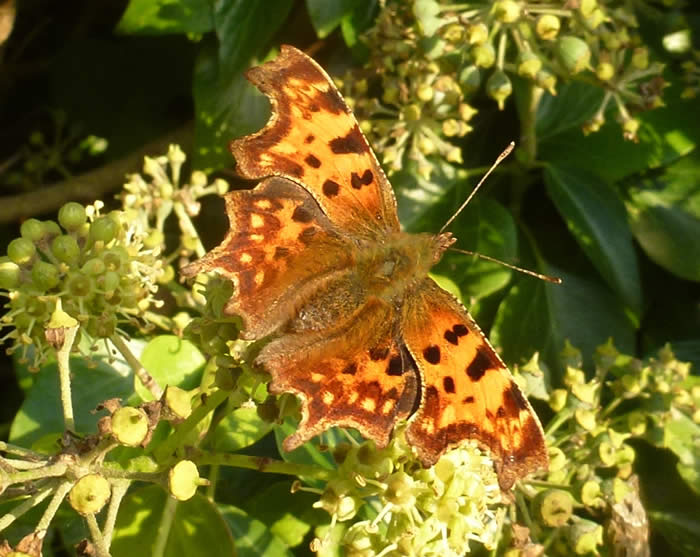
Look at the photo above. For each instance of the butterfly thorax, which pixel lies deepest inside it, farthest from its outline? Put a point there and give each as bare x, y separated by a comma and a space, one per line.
393, 266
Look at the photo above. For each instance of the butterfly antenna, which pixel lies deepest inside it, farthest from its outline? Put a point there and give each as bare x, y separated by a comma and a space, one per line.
498, 161
555, 280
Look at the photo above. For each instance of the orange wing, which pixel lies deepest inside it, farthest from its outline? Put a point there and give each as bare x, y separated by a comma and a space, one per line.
278, 249
313, 139
354, 374
468, 393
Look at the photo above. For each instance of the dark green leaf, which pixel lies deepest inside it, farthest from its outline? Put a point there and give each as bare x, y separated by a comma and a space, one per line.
308, 453
227, 106
252, 537
197, 529
681, 529
596, 218
574, 103
538, 317
326, 15
157, 17
665, 218
680, 436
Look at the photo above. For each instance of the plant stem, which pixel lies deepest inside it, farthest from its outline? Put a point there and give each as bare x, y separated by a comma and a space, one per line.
23, 507
528, 121
97, 537
261, 464
146, 379
166, 522
59, 494
119, 488
63, 362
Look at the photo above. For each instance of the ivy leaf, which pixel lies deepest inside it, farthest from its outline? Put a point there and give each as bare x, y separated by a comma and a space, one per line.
158, 17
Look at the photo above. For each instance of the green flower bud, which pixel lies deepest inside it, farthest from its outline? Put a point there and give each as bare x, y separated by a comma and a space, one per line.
104, 229
72, 216
506, 11
587, 6
606, 453
115, 258
178, 402
529, 64
499, 87
640, 58
585, 536
554, 506
154, 239
484, 55
477, 34
630, 128
45, 275
453, 33
605, 71
10, 274
401, 490
558, 398
557, 459
596, 18
469, 79
65, 248
103, 326
110, 282
590, 494
466, 111
574, 54
586, 392
547, 27
93, 267
547, 80
585, 418
130, 426
32, 229
594, 124
183, 480
637, 423
412, 113
21, 251
89, 494
424, 93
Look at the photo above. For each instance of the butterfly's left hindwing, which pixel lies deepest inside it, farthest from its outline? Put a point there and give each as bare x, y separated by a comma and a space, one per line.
467, 391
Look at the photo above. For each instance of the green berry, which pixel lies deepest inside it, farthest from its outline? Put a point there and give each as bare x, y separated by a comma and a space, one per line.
547, 27
94, 266
32, 230
470, 79
21, 251
103, 229
528, 64
65, 248
183, 480
484, 55
574, 54
477, 34
506, 11
45, 275
110, 281
72, 216
10, 274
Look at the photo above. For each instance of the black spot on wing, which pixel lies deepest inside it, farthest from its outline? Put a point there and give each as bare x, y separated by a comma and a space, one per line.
350, 369
395, 367
448, 384
302, 215
330, 188
312, 161
432, 354
353, 142
479, 365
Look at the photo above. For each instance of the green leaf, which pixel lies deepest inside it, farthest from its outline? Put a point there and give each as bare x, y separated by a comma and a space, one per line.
41, 415
226, 105
665, 218
574, 103
596, 218
241, 428
171, 361
157, 17
538, 317
680, 436
665, 134
290, 516
681, 530
309, 452
197, 528
252, 537
326, 15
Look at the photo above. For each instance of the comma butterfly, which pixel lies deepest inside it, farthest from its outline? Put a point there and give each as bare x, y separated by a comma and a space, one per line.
359, 331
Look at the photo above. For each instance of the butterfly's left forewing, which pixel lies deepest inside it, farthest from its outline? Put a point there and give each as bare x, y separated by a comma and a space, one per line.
467, 391
313, 138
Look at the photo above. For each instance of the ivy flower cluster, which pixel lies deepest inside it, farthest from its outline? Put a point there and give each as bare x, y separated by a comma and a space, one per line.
431, 57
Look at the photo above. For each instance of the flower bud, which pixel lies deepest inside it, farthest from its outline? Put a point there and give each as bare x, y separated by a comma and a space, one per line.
499, 87
557, 399
89, 494
178, 402
640, 58
590, 494
469, 79
65, 248
45, 275
21, 251
529, 64
605, 71
32, 229
574, 54
585, 536
10, 274
484, 55
477, 34
72, 216
104, 229
547, 81
585, 418
630, 128
506, 11
547, 27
